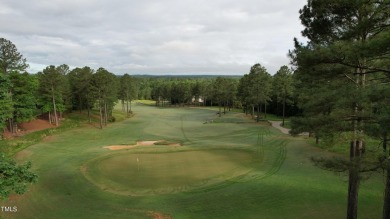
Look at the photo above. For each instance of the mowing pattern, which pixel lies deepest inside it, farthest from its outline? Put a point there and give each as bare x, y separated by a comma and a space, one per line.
229, 161
273, 158
161, 173
229, 167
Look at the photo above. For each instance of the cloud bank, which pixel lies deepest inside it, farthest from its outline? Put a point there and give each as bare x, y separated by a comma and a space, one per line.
153, 37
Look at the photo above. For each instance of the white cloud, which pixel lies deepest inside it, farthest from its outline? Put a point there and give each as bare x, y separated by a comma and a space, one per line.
172, 36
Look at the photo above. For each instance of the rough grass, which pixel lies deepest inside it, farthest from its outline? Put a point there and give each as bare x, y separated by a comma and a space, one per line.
283, 184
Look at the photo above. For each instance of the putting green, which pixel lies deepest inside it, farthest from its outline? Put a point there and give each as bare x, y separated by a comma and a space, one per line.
161, 173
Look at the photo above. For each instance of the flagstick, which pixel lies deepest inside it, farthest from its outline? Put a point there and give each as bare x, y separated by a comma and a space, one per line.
138, 163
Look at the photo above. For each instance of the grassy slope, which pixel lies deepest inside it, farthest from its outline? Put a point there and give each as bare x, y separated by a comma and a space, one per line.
284, 185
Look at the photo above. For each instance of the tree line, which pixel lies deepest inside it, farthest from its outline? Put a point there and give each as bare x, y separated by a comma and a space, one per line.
256, 93
57, 89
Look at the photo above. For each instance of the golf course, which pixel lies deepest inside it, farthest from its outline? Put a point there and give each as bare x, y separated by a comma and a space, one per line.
185, 162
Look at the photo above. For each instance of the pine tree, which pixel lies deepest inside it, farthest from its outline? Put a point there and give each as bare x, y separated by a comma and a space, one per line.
11, 61
51, 90
10, 58
80, 86
6, 108
347, 43
105, 87
283, 87
24, 88
260, 84
127, 91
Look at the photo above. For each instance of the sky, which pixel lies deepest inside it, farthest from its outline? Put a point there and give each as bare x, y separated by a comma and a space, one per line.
153, 37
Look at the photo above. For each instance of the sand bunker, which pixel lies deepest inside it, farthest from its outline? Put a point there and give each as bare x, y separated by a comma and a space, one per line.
141, 143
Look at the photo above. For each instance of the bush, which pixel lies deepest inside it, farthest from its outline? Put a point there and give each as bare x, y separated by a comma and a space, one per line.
112, 119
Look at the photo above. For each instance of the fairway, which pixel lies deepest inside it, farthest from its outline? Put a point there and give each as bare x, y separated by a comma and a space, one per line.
228, 168
151, 174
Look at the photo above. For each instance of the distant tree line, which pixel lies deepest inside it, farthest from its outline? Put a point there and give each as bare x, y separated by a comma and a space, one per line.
256, 93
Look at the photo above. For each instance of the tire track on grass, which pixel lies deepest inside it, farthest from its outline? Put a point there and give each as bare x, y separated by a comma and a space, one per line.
281, 153
182, 129
273, 156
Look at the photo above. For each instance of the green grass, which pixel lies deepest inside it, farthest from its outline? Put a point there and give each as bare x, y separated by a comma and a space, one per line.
169, 172
11, 147
147, 102
233, 168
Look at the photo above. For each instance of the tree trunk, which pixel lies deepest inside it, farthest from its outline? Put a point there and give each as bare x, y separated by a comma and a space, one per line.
89, 114
220, 110
105, 114
127, 107
101, 115
15, 128
354, 179
11, 125
265, 110
258, 113
284, 108
356, 149
353, 188
54, 106
80, 104
386, 201
2, 134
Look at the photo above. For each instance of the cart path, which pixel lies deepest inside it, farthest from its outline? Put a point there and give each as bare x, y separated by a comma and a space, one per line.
278, 125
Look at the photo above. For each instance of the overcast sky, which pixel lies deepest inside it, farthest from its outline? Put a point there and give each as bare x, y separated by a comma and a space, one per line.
153, 37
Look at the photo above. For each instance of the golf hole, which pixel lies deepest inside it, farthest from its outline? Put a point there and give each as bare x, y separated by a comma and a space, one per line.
164, 173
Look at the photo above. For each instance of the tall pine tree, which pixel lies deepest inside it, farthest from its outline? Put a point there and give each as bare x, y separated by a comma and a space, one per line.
347, 41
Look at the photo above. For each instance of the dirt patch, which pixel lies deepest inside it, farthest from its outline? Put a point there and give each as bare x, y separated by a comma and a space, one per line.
28, 127
141, 143
23, 154
36, 125
49, 138
146, 143
158, 215
119, 147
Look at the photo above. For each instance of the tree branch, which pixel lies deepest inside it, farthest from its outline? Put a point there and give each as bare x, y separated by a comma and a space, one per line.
350, 78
